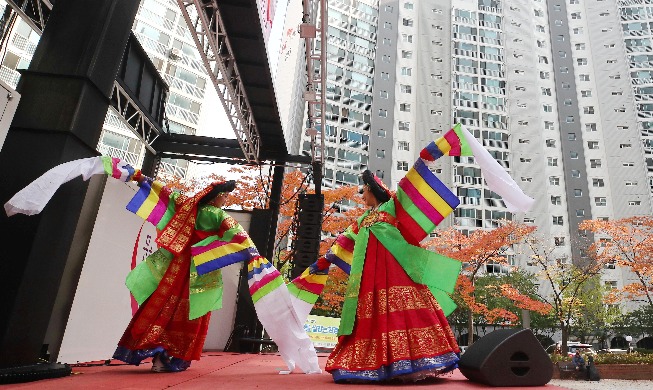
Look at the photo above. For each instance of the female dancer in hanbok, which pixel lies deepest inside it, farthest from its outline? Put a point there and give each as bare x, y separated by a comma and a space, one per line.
180, 284
175, 302
393, 323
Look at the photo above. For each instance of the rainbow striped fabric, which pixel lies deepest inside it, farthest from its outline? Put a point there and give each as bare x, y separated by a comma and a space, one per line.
152, 202
262, 278
423, 200
308, 286
212, 253
117, 168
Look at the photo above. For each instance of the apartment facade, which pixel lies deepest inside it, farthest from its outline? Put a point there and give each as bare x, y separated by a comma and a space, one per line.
560, 100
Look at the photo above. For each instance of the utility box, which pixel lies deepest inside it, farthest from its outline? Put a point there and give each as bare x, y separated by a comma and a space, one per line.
9, 99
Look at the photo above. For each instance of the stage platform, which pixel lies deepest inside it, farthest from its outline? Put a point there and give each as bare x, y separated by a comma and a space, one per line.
225, 370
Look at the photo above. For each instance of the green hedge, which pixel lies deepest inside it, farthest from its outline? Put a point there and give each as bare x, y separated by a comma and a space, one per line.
612, 358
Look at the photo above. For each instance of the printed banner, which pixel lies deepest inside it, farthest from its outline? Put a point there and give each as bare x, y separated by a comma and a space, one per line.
323, 331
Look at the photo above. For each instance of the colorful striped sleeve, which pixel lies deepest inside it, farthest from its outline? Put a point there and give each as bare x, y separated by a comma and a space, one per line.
262, 278
152, 202
422, 200
309, 285
118, 169
214, 253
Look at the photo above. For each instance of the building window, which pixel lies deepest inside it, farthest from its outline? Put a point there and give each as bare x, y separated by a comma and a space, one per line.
405, 88
559, 241
406, 71
578, 193
403, 145
543, 60
575, 173
546, 91
554, 180
380, 174
578, 31
406, 54
575, 15
595, 163
408, 5
556, 200
592, 144
590, 126
386, 59
404, 126
383, 94
579, 46
634, 202
557, 220
552, 161
389, 8
548, 125
562, 54
383, 113
387, 25
596, 182
600, 201
586, 93
405, 107
574, 155
628, 164
385, 76
625, 146
547, 108
570, 119
407, 22
387, 41
407, 38
571, 136
544, 75
581, 61
584, 77
402, 165
380, 153
580, 212
380, 133
630, 183
550, 143
567, 102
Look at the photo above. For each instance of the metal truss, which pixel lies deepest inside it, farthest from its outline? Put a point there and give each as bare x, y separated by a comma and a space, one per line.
33, 12
316, 21
205, 24
134, 117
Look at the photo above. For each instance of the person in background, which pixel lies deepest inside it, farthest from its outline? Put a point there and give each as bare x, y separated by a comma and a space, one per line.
578, 361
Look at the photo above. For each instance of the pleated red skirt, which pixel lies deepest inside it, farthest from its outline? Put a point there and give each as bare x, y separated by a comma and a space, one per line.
400, 329
162, 321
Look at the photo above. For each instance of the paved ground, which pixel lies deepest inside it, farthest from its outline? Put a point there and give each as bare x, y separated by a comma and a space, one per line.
605, 384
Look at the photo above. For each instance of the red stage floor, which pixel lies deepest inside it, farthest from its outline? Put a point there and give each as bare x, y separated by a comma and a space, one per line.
226, 371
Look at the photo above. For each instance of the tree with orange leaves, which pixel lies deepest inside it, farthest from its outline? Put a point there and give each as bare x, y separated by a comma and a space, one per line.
475, 251
626, 243
567, 282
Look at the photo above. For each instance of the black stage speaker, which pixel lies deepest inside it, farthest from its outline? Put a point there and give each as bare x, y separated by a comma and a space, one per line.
307, 243
507, 357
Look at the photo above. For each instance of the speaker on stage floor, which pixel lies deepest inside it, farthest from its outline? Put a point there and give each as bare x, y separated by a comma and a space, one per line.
507, 357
